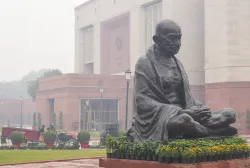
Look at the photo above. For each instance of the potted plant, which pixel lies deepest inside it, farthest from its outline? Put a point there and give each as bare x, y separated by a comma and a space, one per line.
122, 150
127, 150
156, 151
176, 155
83, 137
131, 151
17, 138
108, 143
137, 150
185, 156
199, 154
50, 138
165, 154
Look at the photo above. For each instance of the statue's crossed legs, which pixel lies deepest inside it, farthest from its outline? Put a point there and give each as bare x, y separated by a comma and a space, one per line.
218, 125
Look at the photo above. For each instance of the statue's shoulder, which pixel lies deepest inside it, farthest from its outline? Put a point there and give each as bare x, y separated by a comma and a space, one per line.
143, 61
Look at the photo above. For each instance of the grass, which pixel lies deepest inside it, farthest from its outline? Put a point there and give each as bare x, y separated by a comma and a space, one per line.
22, 156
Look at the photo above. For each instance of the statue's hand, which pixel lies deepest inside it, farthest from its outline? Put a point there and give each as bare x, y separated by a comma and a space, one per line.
203, 116
199, 114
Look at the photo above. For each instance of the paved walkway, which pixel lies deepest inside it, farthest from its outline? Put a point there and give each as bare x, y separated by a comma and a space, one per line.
84, 163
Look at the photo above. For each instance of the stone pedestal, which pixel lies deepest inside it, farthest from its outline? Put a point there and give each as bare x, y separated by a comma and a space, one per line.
115, 163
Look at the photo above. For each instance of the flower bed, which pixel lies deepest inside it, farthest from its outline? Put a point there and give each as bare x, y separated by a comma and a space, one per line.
178, 151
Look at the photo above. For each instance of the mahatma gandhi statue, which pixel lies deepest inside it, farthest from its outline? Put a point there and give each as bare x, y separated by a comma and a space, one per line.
164, 107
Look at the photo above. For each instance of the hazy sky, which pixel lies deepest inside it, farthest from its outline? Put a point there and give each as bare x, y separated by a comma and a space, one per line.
36, 34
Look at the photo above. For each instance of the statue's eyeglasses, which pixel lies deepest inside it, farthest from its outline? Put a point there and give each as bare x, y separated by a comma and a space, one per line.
172, 36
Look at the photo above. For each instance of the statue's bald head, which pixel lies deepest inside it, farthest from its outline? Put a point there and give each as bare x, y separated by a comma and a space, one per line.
167, 26
168, 37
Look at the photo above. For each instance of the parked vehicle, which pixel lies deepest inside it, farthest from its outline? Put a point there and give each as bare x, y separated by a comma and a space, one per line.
29, 135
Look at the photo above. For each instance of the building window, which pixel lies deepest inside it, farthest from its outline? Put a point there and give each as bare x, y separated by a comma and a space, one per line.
153, 14
97, 113
87, 50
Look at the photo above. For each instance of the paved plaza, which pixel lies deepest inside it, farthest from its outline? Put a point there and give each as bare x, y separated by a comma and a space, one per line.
84, 163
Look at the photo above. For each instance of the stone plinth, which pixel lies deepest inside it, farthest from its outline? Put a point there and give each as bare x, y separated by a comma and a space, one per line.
115, 163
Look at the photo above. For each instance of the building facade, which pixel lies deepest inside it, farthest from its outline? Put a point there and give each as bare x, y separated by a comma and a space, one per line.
83, 101
110, 36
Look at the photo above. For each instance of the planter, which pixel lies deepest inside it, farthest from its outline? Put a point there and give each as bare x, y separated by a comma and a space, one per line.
209, 158
168, 159
198, 159
118, 156
138, 158
246, 155
155, 158
192, 160
161, 159
185, 160
49, 145
84, 145
143, 157
128, 157
16, 145
108, 155
149, 158
177, 160
113, 155
203, 158
215, 158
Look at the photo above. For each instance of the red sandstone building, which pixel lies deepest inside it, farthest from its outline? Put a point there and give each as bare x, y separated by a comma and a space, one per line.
79, 98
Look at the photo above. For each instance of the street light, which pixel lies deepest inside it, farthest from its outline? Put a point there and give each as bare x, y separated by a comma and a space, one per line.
127, 77
89, 113
21, 99
101, 91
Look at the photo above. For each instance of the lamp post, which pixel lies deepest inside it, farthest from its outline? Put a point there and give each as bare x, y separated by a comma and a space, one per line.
89, 116
101, 91
21, 99
127, 76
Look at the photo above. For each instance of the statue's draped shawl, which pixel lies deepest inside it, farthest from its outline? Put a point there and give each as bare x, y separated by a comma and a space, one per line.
152, 109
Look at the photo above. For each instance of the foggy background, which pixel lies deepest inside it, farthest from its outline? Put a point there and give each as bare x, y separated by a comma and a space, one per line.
36, 34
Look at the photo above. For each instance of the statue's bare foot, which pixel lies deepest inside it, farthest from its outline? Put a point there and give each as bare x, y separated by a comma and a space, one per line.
228, 131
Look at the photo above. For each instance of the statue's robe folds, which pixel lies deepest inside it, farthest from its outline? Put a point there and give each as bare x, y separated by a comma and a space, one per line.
153, 109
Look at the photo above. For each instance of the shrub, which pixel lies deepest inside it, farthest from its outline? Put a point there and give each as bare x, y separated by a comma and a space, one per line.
121, 133
17, 137
83, 136
50, 136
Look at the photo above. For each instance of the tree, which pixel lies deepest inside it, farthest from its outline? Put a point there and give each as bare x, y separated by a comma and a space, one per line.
39, 120
33, 85
32, 88
34, 120
13, 89
60, 120
248, 119
54, 119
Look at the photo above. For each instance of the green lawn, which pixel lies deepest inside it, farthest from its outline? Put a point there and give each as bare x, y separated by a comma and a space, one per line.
21, 156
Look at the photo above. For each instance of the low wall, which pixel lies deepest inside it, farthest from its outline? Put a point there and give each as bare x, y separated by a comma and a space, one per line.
115, 163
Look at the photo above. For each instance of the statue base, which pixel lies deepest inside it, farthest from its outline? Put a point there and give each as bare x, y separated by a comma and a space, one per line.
120, 163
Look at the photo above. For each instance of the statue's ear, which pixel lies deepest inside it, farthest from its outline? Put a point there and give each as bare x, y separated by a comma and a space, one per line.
156, 39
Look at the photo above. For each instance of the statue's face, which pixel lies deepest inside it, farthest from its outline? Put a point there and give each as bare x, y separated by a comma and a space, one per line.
171, 42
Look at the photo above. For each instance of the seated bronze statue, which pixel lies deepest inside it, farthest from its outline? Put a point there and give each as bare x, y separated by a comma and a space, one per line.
163, 104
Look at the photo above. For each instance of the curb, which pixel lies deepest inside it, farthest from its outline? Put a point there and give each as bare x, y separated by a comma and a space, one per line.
48, 161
